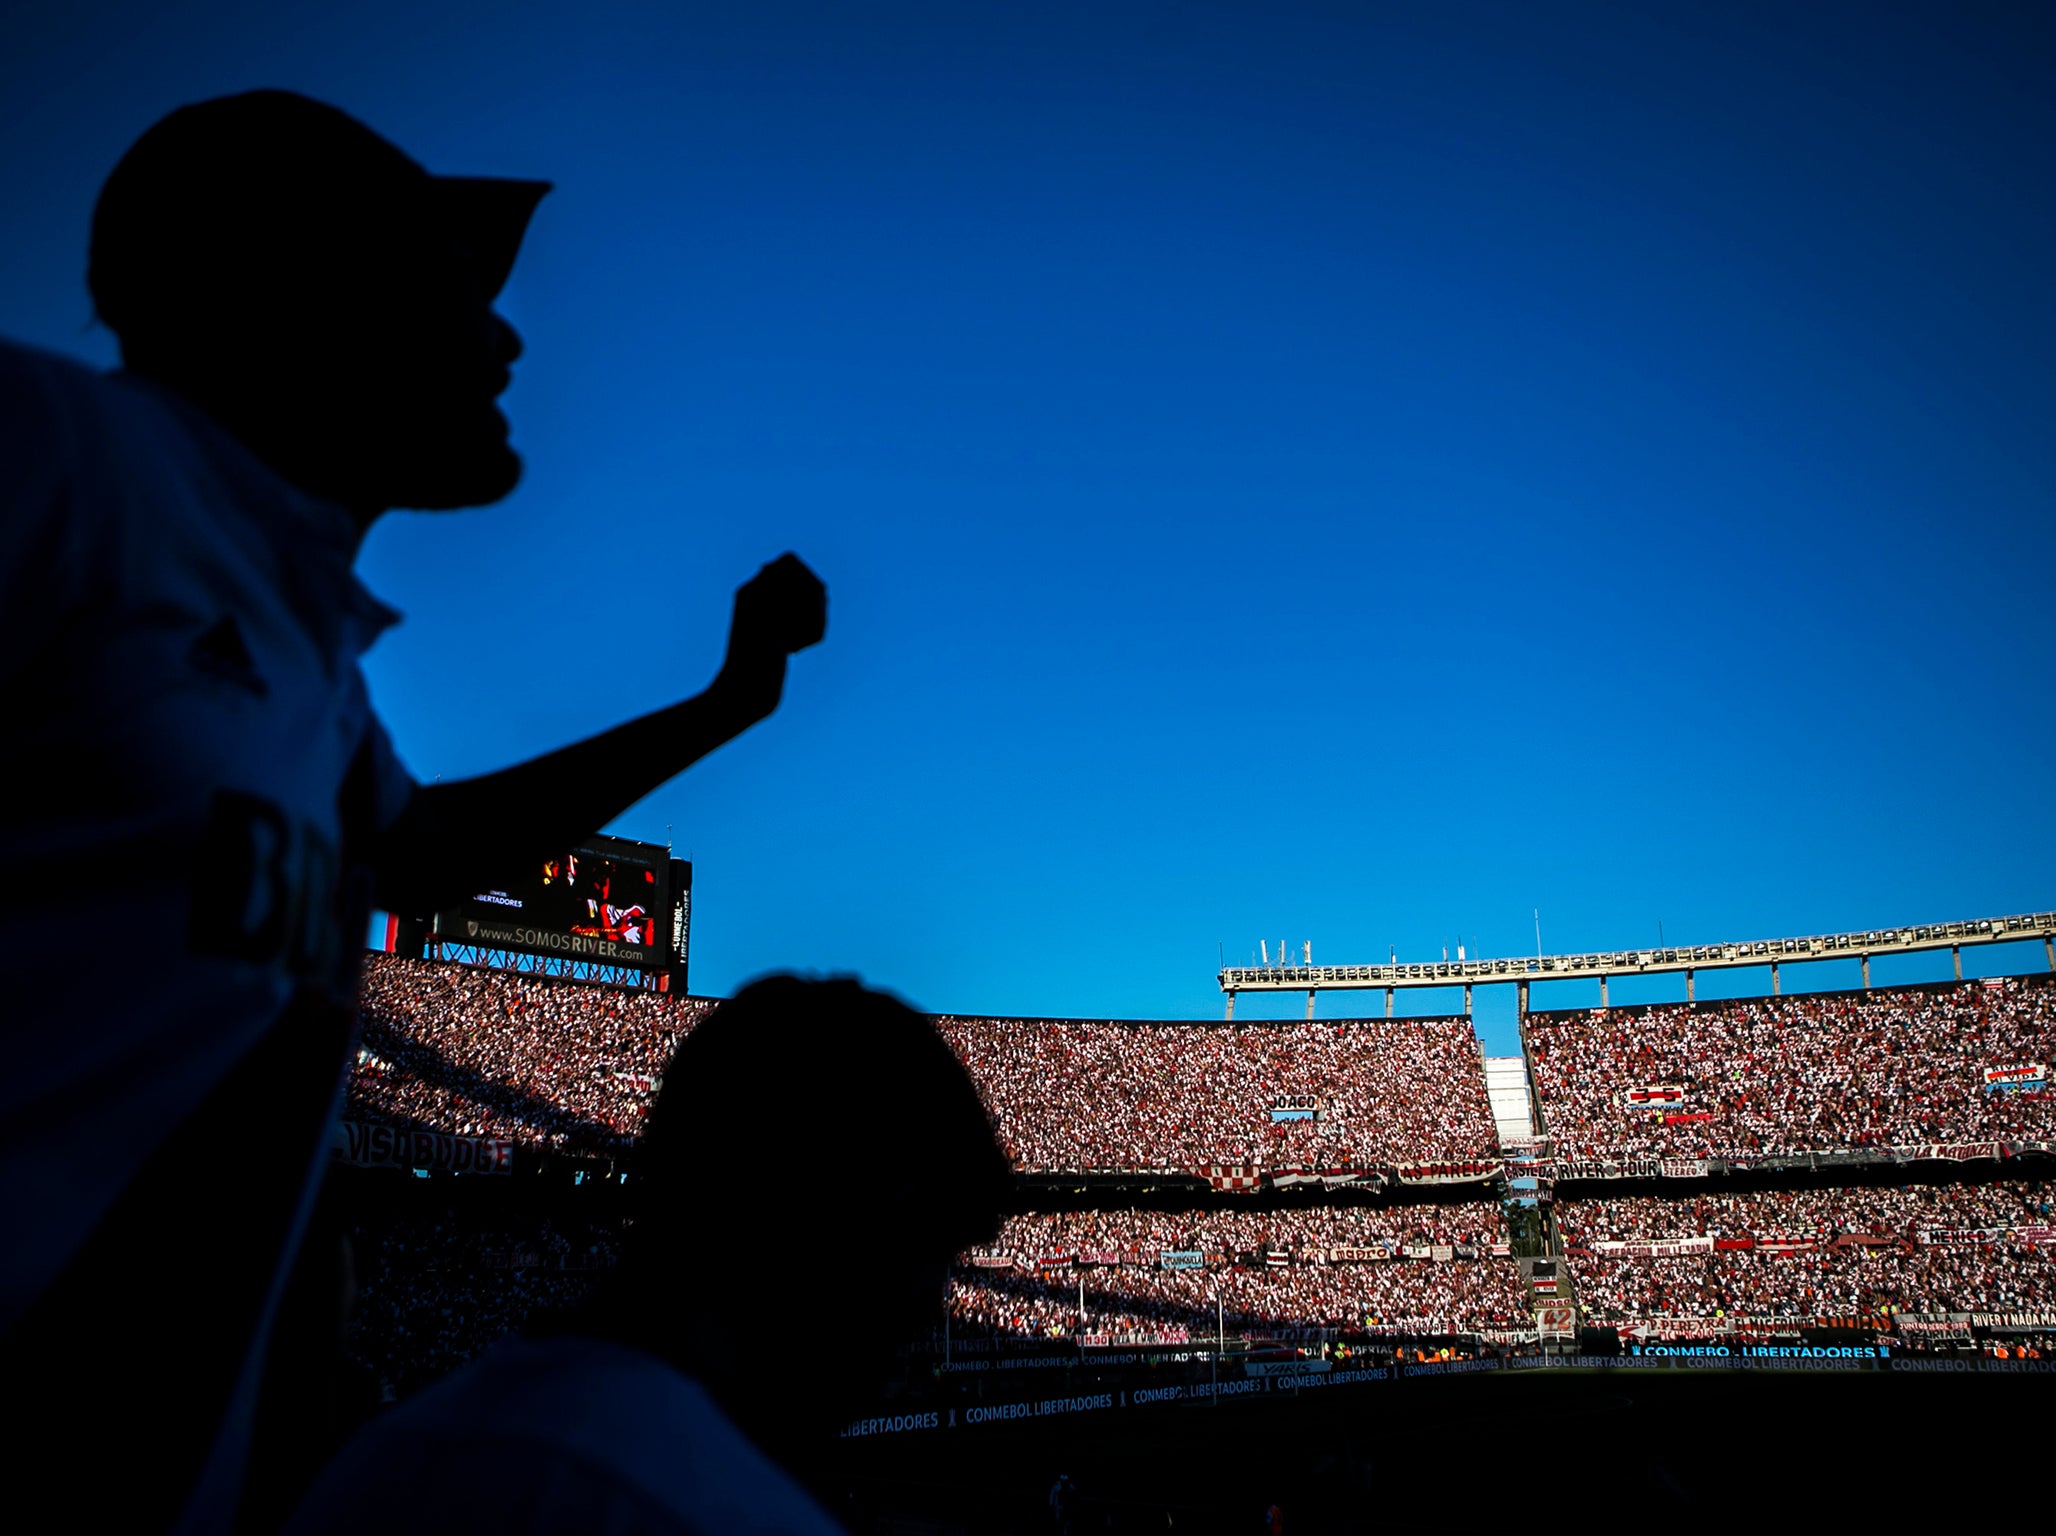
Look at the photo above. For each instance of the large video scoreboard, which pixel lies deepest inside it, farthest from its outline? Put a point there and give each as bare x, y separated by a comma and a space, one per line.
606, 900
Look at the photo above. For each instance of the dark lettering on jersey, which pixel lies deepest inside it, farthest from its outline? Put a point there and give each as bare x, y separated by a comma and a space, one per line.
271, 891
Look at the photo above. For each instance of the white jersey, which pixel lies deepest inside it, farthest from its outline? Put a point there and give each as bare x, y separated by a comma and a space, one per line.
194, 773
559, 1434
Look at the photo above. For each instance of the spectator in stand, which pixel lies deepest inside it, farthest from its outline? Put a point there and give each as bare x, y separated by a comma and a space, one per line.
1815, 1254
1774, 1076
308, 337
652, 1410
1293, 1278
562, 1066
566, 1067
1080, 1096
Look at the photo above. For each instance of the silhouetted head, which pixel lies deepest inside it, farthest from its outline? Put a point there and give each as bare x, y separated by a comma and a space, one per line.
319, 293
815, 1160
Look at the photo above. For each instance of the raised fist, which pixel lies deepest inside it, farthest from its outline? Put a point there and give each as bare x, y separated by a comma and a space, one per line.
780, 610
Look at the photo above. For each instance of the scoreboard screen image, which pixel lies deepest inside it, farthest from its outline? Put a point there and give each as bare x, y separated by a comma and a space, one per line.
605, 900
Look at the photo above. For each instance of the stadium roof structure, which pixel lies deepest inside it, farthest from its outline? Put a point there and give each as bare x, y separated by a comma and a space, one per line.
1676, 959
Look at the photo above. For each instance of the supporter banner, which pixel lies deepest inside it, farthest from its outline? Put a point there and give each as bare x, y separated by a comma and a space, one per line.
1228, 1179
2035, 1234
1686, 1116
1416, 1250
1655, 1248
1103, 1256
1294, 1179
1441, 1253
1278, 1115
1686, 1167
1296, 1103
1449, 1173
1467, 1250
2018, 1074
385, 1146
1599, 1168
1129, 1340
1177, 1258
1053, 1260
1947, 1152
1652, 1095
992, 1261
1953, 1236
636, 1082
1358, 1255
1276, 1258
1786, 1244
1342, 1179
2036, 1322
1935, 1326
1866, 1240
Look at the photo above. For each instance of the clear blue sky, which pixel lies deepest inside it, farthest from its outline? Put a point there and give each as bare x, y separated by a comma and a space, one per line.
1355, 473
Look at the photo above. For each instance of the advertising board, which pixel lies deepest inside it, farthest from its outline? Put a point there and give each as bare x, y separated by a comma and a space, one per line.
603, 900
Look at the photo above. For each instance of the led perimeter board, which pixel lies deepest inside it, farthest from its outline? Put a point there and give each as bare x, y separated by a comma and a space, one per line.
606, 900
680, 936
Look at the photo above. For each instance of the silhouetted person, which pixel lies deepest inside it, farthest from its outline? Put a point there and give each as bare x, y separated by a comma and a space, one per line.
815, 1160
201, 806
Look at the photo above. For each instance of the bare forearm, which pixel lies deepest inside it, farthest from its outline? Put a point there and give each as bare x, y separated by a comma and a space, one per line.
455, 840
477, 834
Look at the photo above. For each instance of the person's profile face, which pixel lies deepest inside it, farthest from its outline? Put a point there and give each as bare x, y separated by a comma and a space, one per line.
410, 361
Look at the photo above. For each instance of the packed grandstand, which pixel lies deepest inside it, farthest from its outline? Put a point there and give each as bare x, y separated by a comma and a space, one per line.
1328, 1181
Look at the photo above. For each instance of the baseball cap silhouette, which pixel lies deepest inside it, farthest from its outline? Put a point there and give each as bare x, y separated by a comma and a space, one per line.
268, 193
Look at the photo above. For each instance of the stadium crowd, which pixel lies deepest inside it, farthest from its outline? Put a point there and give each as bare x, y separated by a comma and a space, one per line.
1773, 1076
1835, 1253
1904, 1211
559, 1065
1078, 1096
434, 1293
1821, 1282
1266, 1271
571, 1067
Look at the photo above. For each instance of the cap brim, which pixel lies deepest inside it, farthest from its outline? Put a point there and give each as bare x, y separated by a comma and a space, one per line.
490, 214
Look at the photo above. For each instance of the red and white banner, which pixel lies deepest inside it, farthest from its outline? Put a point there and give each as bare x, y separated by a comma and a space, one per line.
1786, 1243
1652, 1095
1229, 1179
1129, 1340
1369, 1255
2017, 1072
1962, 1237
1947, 1151
1654, 1248
1449, 1173
992, 1261
385, 1146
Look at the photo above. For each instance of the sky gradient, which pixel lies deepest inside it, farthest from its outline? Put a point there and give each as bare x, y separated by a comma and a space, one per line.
1356, 474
